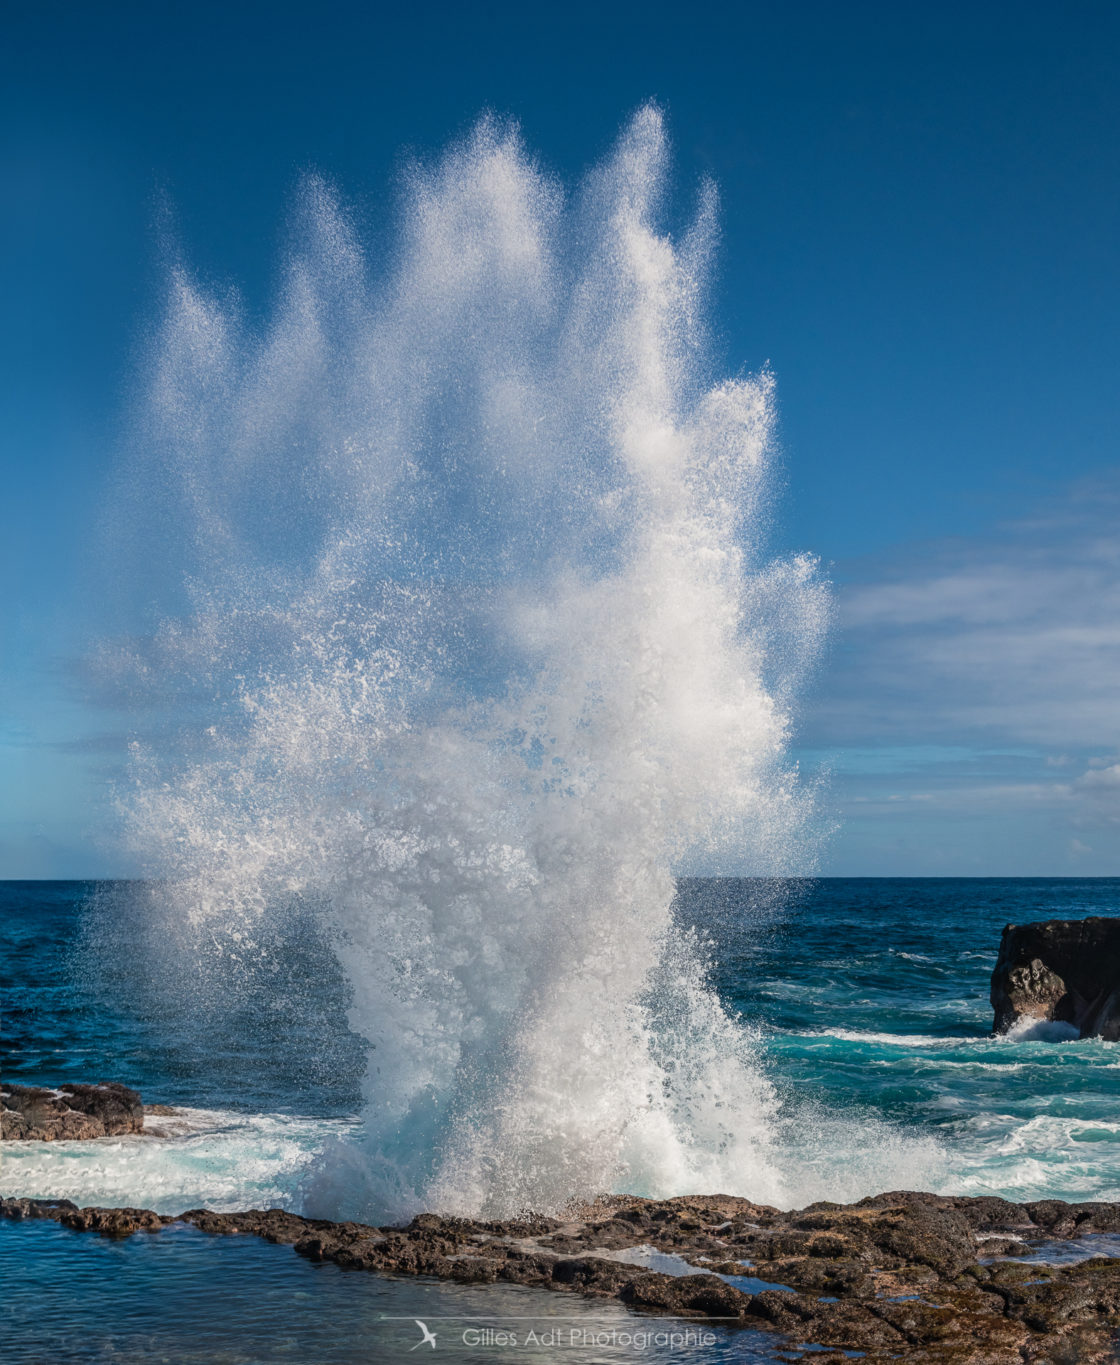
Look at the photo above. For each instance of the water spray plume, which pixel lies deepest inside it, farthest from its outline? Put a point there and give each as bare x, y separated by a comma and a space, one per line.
479, 644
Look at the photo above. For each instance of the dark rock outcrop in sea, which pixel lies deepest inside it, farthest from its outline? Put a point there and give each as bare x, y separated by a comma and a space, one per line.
1065, 971
74, 1112
919, 1277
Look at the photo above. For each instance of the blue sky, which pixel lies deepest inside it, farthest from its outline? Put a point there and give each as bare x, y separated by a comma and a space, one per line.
920, 211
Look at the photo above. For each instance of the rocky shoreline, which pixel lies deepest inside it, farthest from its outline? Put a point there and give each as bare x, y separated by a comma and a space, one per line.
906, 1275
900, 1276
70, 1113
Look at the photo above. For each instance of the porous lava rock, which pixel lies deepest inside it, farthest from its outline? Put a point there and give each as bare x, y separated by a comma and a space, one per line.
75, 1112
1060, 971
902, 1276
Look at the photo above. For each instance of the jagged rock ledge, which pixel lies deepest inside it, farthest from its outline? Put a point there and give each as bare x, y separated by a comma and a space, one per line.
36, 1113
901, 1275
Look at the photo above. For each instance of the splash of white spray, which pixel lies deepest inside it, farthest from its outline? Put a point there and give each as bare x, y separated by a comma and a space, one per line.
480, 645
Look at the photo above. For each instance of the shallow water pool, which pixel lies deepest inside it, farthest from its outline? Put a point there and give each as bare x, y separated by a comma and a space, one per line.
182, 1296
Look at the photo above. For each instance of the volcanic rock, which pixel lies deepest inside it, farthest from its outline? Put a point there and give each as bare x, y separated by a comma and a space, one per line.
1062, 971
901, 1276
74, 1112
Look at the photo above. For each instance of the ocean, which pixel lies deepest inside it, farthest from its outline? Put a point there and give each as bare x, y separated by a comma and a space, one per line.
865, 1002
448, 620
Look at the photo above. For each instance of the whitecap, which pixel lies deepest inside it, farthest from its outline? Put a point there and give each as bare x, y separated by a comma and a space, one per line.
197, 1157
1040, 1031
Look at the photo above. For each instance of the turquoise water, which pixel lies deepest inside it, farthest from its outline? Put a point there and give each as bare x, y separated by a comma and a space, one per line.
872, 1001
867, 999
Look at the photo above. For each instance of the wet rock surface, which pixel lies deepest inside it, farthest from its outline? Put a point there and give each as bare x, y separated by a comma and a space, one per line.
70, 1112
903, 1275
1061, 971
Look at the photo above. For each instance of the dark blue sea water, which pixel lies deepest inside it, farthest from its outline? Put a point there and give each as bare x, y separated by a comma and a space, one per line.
868, 1000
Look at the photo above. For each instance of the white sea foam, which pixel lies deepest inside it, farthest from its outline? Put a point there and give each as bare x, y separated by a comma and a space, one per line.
196, 1158
843, 1157
1041, 1031
886, 1039
479, 642
1044, 1156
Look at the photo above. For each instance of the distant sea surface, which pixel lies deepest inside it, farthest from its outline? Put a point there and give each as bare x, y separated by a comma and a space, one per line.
868, 1001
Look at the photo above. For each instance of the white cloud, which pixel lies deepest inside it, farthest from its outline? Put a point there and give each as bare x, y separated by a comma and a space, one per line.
986, 673
1101, 780
1013, 639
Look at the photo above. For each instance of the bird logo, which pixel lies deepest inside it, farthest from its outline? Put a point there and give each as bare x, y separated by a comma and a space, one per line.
428, 1339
